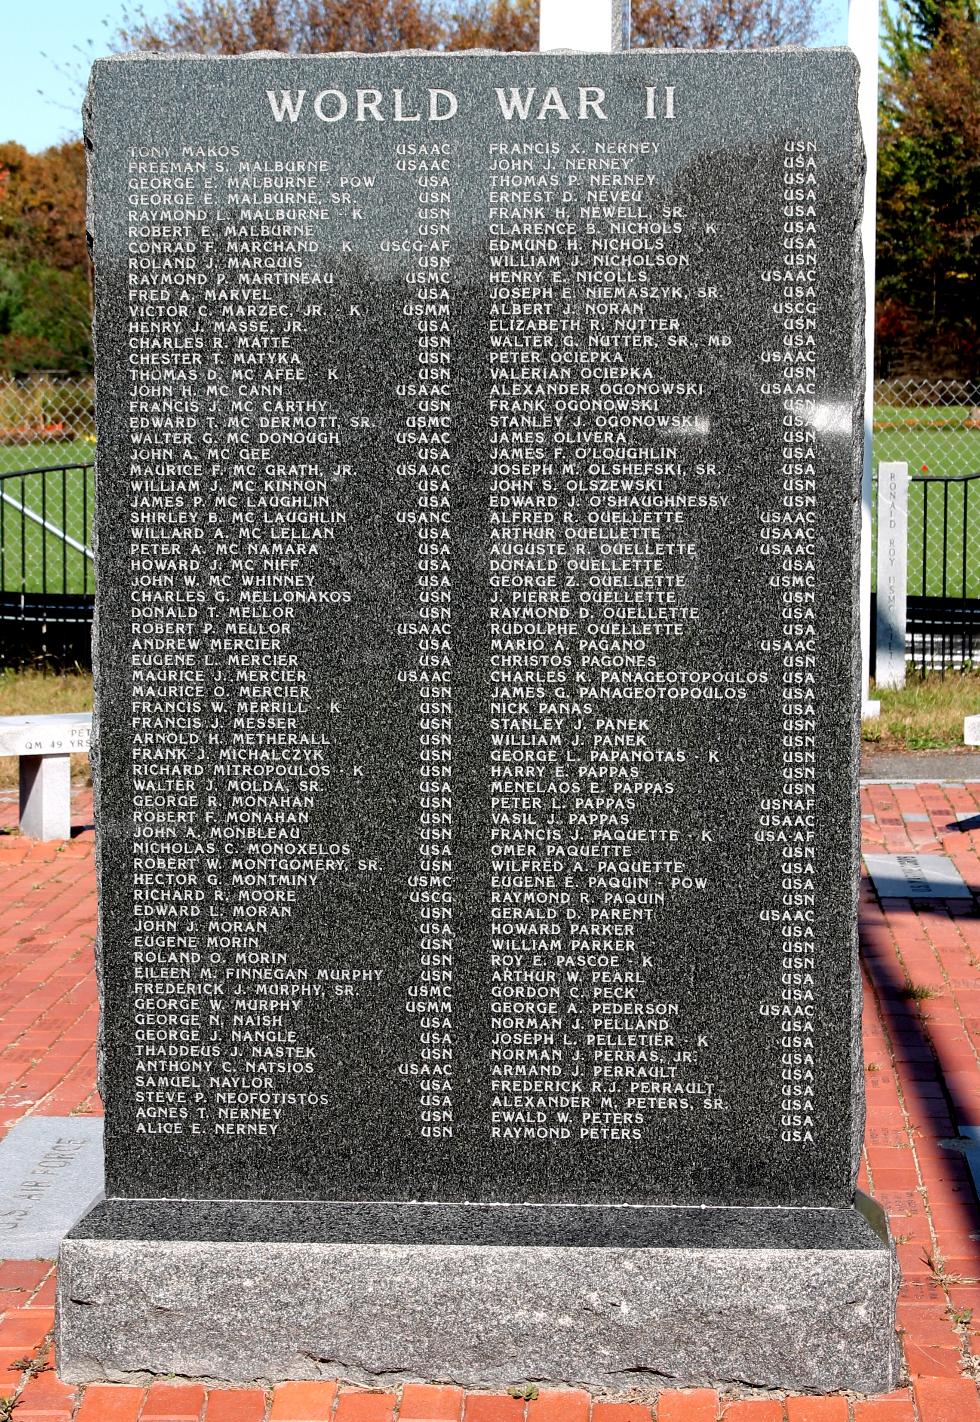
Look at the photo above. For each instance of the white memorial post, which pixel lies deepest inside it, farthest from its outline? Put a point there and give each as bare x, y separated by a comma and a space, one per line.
591, 26
862, 37
893, 553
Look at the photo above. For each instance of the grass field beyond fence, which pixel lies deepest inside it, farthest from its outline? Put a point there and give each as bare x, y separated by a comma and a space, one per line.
926, 714
33, 559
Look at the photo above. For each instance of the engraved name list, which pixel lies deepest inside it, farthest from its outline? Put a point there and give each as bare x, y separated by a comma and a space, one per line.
476, 481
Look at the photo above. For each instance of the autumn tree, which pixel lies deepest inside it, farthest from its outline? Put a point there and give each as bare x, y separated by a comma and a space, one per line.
44, 287
42, 204
928, 251
294, 26
722, 24
497, 24
321, 26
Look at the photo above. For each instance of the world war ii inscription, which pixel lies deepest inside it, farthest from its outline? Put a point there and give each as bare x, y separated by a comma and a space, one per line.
476, 491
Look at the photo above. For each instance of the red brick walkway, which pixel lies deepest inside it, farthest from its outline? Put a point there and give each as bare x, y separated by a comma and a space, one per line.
922, 1038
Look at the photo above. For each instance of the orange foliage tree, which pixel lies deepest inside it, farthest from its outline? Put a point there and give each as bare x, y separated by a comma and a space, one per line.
44, 281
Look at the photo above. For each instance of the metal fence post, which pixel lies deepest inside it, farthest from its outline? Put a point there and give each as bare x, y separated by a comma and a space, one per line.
893, 557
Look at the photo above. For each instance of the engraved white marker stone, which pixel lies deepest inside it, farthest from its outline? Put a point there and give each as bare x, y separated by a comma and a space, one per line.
50, 1172
893, 542
916, 876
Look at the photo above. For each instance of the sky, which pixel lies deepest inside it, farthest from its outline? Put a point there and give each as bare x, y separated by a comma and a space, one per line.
47, 46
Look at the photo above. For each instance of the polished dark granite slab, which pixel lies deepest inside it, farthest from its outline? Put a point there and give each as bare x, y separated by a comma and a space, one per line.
476, 704
601, 306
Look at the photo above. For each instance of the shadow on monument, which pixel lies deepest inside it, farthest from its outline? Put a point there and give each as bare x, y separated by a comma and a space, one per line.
910, 1039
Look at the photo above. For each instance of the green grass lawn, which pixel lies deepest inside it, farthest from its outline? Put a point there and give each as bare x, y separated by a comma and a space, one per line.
921, 414
927, 714
945, 452
31, 559
936, 511
41, 456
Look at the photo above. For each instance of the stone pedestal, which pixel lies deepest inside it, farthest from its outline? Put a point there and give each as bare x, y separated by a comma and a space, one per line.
608, 1298
45, 796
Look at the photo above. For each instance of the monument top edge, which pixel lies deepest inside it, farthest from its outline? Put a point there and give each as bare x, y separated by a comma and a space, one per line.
823, 52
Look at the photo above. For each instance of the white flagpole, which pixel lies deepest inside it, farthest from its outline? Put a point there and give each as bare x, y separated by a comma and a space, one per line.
862, 37
590, 26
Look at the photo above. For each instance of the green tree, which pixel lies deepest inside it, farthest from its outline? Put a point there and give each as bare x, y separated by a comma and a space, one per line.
913, 27
45, 319
928, 251
44, 280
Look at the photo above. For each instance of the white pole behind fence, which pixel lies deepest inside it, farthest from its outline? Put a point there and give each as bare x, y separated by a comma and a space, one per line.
862, 36
893, 558
589, 26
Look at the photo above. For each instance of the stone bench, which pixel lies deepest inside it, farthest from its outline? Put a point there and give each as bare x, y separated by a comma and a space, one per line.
45, 745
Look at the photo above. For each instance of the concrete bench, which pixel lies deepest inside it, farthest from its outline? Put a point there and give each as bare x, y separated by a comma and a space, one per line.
45, 745
971, 730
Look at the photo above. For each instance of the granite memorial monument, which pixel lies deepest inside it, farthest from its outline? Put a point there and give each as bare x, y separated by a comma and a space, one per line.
479, 447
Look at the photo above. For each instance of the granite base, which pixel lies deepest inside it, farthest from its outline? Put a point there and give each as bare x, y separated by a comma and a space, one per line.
608, 1298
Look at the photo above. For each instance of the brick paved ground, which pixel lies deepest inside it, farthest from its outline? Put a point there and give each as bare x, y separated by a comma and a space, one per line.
922, 1036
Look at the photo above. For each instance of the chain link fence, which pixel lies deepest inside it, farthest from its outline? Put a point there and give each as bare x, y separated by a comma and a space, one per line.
43, 416
47, 447
933, 426
934, 423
